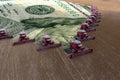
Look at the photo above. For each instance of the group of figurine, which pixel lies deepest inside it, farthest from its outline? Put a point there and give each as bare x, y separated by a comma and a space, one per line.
88, 26
75, 43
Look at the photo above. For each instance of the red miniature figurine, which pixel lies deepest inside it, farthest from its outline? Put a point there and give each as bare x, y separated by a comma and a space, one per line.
4, 35
23, 39
47, 43
85, 26
47, 40
82, 35
77, 48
